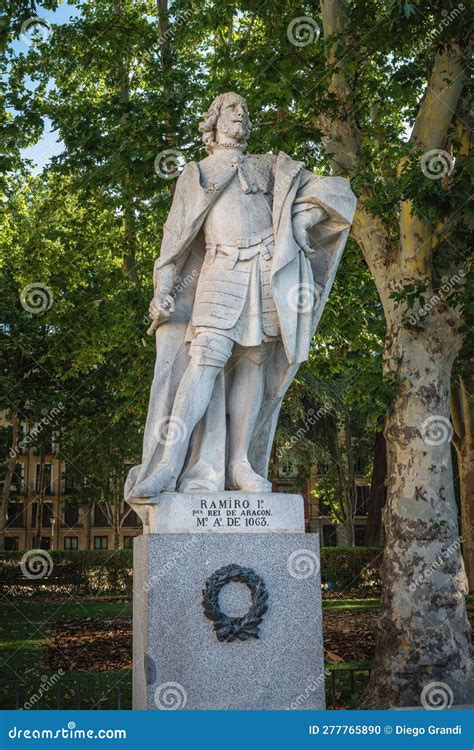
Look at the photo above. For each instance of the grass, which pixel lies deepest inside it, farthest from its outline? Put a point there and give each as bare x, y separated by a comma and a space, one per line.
351, 604
24, 632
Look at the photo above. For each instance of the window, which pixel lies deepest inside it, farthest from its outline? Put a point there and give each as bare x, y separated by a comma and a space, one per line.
68, 482
359, 536
329, 535
100, 542
17, 479
45, 543
11, 543
131, 520
43, 479
287, 469
71, 542
362, 492
15, 515
100, 519
128, 542
46, 515
71, 514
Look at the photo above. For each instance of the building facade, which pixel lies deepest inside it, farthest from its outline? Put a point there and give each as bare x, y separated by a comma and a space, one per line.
41, 482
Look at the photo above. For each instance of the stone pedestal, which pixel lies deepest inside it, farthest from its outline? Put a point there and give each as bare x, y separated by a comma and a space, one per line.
226, 615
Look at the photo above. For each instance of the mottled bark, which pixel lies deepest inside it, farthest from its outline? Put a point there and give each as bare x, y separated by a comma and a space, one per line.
423, 634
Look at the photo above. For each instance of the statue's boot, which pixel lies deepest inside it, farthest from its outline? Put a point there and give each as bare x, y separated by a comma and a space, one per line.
161, 479
242, 477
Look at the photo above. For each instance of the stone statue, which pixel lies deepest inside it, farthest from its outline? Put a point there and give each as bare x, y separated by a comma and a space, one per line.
249, 254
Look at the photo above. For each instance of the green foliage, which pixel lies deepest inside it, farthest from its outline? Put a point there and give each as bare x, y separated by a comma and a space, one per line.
351, 569
80, 573
109, 572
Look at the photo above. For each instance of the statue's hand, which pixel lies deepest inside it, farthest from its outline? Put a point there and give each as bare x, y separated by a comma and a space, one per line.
161, 306
303, 221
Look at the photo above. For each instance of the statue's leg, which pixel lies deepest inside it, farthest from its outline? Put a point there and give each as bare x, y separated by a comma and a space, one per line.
245, 400
209, 353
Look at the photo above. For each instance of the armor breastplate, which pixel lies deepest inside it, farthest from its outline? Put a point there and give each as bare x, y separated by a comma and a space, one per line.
236, 215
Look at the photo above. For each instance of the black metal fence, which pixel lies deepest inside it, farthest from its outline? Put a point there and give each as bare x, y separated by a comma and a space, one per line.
113, 691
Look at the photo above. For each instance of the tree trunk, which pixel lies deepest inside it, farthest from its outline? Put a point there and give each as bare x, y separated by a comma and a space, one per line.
166, 58
127, 196
11, 463
376, 499
347, 528
39, 505
423, 635
117, 523
86, 514
466, 478
462, 412
344, 511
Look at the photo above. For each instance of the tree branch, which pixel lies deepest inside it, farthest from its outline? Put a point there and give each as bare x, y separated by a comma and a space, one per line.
434, 117
440, 100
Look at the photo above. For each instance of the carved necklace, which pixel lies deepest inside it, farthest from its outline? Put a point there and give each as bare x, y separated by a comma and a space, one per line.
229, 145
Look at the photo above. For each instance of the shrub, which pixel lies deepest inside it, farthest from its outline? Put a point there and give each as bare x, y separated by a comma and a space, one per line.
351, 569
110, 572
85, 572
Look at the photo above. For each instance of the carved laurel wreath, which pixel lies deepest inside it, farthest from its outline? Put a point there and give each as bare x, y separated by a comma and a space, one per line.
232, 628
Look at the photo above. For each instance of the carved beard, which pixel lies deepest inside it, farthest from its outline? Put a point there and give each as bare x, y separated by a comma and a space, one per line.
235, 130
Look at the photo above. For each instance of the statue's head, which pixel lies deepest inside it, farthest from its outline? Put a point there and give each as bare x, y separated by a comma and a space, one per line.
226, 122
